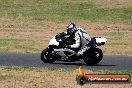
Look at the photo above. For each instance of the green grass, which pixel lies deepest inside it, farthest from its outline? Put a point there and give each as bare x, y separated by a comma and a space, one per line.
116, 33
7, 44
15, 68
6, 76
68, 69
120, 42
40, 69
18, 16
56, 10
129, 72
20, 30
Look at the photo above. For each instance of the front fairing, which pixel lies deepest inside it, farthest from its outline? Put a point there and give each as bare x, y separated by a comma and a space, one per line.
57, 38
53, 41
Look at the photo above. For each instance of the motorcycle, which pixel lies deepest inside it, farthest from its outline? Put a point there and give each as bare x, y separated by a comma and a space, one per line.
57, 52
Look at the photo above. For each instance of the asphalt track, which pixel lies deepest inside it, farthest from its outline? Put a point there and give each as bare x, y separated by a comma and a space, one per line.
109, 62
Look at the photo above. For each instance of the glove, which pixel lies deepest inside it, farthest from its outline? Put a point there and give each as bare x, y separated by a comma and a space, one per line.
67, 46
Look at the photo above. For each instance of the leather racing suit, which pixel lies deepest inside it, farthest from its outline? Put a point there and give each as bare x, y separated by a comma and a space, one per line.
82, 39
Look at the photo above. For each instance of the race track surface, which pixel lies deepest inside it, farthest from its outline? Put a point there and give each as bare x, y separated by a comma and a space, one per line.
111, 62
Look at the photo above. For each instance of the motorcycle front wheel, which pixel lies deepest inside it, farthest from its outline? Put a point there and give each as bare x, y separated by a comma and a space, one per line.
94, 57
46, 57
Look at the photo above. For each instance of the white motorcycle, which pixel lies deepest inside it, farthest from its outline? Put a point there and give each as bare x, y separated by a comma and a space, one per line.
57, 52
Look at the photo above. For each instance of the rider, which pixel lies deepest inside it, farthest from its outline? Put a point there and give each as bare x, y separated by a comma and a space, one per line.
81, 38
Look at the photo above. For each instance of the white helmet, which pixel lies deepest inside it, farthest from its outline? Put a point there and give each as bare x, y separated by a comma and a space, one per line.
71, 28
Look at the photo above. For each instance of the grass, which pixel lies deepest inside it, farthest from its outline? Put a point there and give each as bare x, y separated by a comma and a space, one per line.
5, 77
15, 68
17, 44
113, 72
27, 26
20, 30
55, 69
120, 42
59, 11
49, 77
117, 42
116, 33
40, 69
68, 69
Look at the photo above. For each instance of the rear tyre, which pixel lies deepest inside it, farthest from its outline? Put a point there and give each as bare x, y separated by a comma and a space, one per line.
46, 57
95, 57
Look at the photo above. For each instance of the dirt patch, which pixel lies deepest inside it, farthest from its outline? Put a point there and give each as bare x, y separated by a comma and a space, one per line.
37, 34
108, 3
113, 3
48, 79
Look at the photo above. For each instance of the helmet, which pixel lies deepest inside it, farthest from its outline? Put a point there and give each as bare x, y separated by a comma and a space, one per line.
71, 28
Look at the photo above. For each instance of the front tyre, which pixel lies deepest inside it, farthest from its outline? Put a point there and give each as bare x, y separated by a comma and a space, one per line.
95, 57
46, 57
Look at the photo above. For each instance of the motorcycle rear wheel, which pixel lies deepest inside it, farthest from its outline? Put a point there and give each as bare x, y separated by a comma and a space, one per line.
46, 57
95, 57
